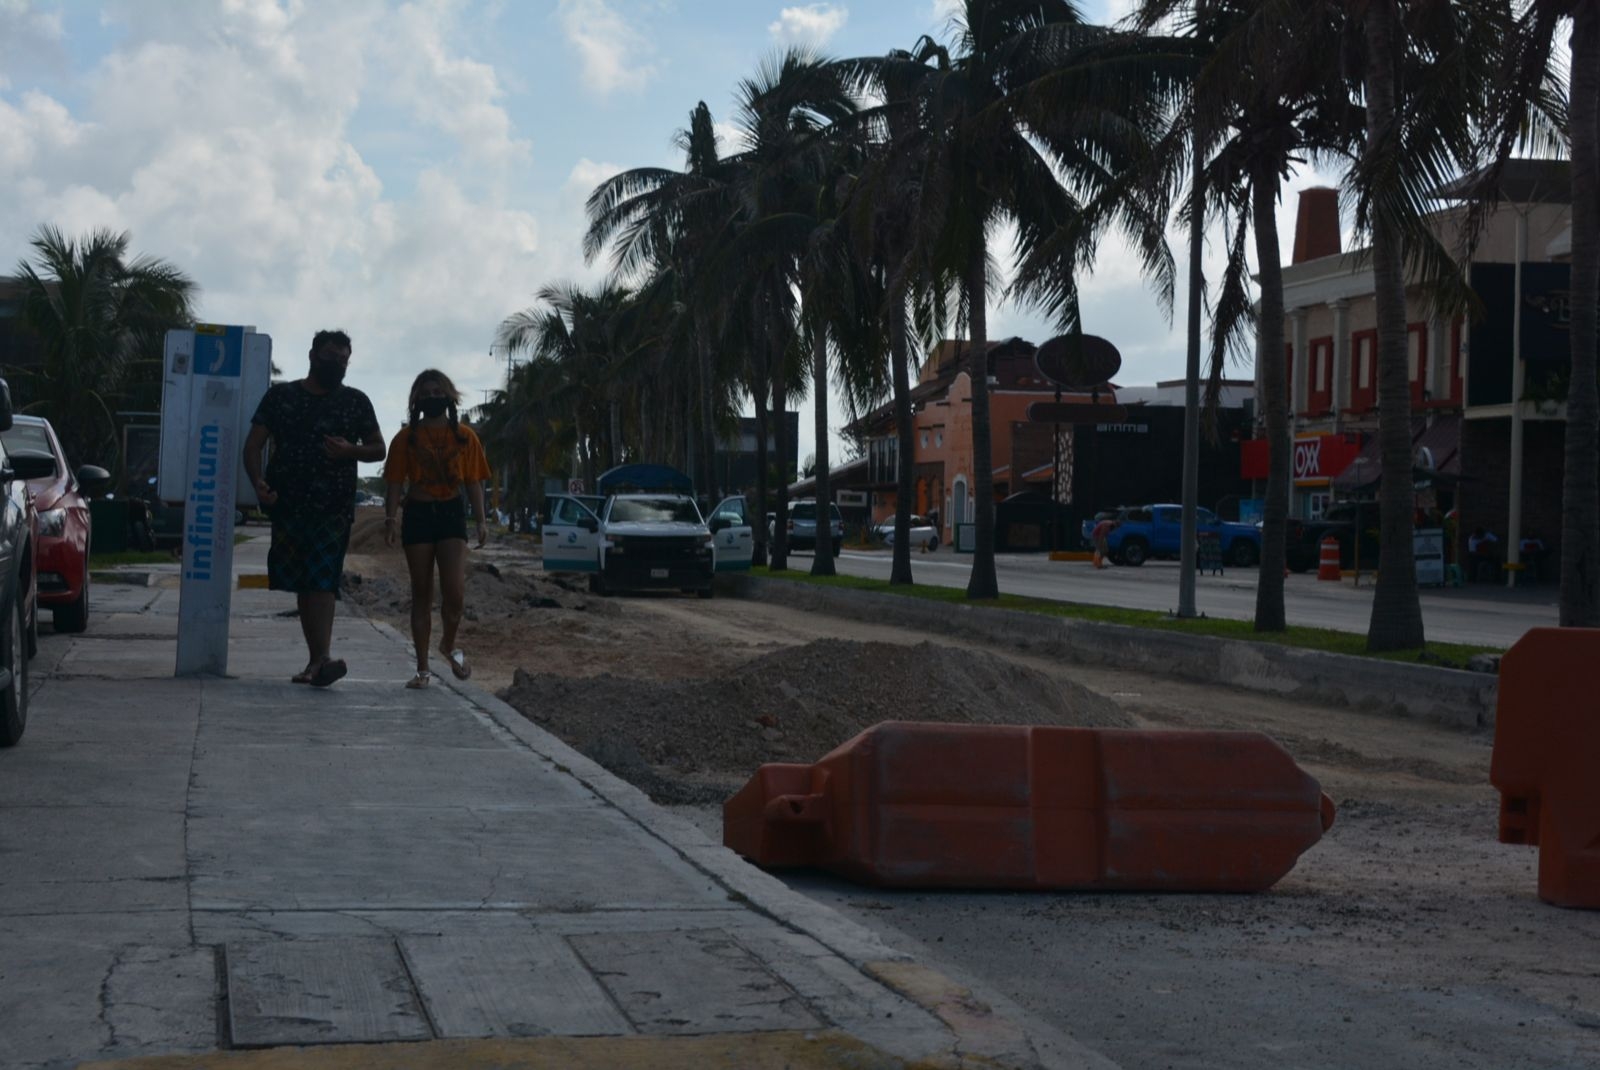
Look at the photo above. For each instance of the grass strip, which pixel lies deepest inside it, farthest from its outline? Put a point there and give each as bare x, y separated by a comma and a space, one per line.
1448, 655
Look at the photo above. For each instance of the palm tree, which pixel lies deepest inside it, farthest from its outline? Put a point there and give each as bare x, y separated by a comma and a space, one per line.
591, 337
1426, 84
665, 226
785, 114
101, 319
1270, 92
1040, 120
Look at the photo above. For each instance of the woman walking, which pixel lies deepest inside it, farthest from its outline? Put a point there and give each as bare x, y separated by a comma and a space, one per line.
430, 461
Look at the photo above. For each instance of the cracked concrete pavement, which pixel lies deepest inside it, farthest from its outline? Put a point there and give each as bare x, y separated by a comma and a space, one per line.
190, 867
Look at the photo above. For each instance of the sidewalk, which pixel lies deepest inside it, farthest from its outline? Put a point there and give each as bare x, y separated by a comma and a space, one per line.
407, 878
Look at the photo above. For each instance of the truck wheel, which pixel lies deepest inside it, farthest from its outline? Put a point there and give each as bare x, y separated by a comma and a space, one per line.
14, 697
933, 543
1242, 553
1134, 552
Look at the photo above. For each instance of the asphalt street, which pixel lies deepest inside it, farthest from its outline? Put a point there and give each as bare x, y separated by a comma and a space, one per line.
1482, 614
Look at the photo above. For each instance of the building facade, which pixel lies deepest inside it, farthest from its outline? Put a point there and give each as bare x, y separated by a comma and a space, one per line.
1487, 389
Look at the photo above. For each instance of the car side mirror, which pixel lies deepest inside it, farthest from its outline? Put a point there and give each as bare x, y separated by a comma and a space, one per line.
720, 523
5, 406
92, 477
588, 523
31, 464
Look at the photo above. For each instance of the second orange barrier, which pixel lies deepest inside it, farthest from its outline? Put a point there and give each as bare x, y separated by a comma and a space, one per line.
909, 804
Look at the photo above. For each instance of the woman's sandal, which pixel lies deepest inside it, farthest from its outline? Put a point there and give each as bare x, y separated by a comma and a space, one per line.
329, 671
458, 664
420, 681
303, 677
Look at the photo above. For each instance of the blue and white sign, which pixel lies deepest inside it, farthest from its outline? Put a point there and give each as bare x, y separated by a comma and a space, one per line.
215, 378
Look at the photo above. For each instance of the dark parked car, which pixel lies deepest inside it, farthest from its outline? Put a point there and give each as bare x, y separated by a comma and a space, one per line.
63, 528
1303, 538
19, 620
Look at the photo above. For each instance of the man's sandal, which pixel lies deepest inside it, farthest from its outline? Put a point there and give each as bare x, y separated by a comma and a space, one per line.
419, 681
458, 664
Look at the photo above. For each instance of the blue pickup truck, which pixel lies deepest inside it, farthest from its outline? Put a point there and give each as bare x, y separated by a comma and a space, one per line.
1147, 531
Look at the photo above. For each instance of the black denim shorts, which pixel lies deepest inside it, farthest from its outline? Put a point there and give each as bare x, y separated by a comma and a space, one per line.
425, 522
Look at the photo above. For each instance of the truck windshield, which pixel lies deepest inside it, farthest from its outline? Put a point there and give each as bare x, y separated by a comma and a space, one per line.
654, 511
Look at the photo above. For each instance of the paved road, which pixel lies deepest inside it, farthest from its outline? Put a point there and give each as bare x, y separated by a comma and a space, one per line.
1486, 615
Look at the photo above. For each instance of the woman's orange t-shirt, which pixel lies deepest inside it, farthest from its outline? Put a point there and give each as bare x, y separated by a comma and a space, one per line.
438, 462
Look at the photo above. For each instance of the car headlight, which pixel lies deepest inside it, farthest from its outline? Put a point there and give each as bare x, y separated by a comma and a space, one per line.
52, 522
617, 544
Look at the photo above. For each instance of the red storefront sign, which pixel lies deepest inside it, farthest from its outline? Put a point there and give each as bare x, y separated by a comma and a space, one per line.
1316, 458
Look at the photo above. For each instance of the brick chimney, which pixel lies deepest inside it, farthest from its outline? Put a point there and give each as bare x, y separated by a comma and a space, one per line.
1316, 226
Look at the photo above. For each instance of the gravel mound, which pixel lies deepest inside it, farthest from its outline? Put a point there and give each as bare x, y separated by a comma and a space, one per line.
697, 740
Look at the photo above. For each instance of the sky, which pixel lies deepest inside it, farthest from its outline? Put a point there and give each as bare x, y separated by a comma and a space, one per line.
413, 172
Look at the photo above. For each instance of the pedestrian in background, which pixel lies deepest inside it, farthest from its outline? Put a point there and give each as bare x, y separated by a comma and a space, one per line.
431, 462
1101, 534
320, 429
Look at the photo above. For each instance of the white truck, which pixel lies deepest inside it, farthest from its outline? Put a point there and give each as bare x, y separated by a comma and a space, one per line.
646, 533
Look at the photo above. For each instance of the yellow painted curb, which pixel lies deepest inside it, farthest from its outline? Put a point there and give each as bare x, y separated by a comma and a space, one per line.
821, 1050
1071, 555
985, 1038
257, 581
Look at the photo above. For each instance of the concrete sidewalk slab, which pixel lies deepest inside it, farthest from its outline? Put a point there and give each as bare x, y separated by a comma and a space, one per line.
202, 864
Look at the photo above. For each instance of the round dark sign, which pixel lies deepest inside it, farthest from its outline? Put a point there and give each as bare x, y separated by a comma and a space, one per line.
1078, 361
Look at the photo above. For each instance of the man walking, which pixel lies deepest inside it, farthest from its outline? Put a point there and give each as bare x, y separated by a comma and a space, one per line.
320, 429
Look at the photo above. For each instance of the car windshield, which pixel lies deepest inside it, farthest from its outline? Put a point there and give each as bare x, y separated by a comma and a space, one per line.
654, 511
27, 437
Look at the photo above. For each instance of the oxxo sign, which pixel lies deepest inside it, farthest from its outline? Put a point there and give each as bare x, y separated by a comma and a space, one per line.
1308, 458
215, 377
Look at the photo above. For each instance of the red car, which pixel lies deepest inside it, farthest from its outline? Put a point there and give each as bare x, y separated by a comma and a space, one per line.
62, 556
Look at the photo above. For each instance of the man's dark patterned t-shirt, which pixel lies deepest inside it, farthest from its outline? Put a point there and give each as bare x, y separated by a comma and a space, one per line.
306, 479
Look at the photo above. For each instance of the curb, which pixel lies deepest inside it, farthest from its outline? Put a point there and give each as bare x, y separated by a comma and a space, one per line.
1451, 697
981, 1034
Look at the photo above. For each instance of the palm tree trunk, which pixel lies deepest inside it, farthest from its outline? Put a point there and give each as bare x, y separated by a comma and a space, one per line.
822, 558
762, 424
1269, 353
983, 583
900, 570
1191, 392
1396, 611
614, 445
780, 461
708, 427
1580, 491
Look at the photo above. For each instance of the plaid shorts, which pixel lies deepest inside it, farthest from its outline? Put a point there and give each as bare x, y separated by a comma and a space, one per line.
307, 553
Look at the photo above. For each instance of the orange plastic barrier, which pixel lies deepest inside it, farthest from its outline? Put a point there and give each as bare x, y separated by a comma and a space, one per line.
1328, 563
983, 806
1547, 759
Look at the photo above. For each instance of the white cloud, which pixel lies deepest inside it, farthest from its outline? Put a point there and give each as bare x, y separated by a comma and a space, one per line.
610, 49
586, 174
450, 93
811, 25
943, 11
222, 140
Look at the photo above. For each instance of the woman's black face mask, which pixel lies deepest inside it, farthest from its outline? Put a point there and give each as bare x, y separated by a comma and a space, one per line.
432, 407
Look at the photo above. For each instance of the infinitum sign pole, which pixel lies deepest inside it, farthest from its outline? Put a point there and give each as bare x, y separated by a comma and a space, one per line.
215, 376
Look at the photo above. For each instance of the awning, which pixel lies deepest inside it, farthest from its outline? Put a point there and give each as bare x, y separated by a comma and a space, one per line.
1435, 452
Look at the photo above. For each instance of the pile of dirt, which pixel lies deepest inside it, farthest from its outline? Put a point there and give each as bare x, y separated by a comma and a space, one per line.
493, 593
696, 740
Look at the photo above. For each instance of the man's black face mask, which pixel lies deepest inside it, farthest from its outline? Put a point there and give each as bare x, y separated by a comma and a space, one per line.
328, 373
